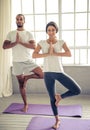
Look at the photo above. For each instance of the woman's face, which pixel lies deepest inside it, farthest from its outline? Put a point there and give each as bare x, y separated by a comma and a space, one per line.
51, 31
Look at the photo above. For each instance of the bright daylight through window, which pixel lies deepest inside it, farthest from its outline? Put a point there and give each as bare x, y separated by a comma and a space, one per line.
73, 21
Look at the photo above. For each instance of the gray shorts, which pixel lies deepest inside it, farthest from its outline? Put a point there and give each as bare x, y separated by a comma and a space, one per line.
23, 67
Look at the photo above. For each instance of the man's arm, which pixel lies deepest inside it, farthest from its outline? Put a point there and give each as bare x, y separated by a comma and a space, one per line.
31, 44
7, 44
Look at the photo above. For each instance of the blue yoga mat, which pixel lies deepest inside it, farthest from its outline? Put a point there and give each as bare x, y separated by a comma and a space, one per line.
44, 109
46, 123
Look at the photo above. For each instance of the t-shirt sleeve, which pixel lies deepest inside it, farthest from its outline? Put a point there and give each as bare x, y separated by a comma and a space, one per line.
62, 42
31, 36
40, 43
8, 37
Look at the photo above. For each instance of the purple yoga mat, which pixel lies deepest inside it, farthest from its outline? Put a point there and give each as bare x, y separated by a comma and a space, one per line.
46, 123
42, 109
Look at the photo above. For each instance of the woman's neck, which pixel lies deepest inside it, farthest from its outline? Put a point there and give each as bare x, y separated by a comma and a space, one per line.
53, 40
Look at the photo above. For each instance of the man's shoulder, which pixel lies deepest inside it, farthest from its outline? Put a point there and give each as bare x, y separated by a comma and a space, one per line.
12, 31
27, 32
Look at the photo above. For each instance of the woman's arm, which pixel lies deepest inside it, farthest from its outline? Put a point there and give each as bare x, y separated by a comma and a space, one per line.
66, 52
37, 54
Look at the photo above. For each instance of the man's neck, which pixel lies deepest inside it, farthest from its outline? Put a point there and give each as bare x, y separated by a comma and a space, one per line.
20, 29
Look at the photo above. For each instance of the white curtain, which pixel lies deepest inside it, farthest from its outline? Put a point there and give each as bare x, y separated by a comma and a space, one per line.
5, 55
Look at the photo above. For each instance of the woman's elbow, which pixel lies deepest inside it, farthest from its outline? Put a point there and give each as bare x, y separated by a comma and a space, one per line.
69, 54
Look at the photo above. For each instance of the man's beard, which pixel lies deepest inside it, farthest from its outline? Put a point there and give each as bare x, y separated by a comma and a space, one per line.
19, 26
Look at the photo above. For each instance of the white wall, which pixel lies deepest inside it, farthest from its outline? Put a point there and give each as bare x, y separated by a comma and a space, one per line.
80, 73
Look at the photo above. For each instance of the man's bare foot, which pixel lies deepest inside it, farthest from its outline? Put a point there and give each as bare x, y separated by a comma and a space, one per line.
25, 108
58, 98
57, 125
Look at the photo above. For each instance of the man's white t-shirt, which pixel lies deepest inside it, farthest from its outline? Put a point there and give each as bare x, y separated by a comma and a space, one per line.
52, 63
19, 52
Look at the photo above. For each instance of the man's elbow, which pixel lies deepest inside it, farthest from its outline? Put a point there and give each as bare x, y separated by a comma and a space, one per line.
33, 55
4, 47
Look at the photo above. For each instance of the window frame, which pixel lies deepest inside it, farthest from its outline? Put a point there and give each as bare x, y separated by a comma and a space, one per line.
74, 48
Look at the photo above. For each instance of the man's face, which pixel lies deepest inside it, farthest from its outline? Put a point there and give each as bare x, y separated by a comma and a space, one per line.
20, 21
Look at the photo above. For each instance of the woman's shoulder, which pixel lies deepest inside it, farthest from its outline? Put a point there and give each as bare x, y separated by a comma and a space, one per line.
60, 41
42, 43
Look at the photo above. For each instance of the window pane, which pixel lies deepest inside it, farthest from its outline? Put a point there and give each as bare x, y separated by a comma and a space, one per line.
16, 8
52, 6
81, 5
39, 22
89, 56
83, 55
13, 23
68, 60
29, 22
89, 21
40, 36
75, 32
81, 17
77, 56
52, 18
70, 7
88, 38
81, 38
39, 6
27, 6
67, 21
68, 36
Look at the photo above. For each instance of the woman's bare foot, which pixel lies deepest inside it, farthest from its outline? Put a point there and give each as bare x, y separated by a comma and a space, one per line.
25, 108
58, 98
57, 125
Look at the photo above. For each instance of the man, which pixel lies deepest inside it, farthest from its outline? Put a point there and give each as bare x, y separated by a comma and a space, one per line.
21, 41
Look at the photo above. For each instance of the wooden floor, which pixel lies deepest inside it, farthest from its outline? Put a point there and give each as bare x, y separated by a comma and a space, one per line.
20, 122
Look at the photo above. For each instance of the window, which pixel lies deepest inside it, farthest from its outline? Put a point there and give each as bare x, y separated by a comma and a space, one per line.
73, 22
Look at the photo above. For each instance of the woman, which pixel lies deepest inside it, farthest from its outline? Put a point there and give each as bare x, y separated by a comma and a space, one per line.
53, 70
